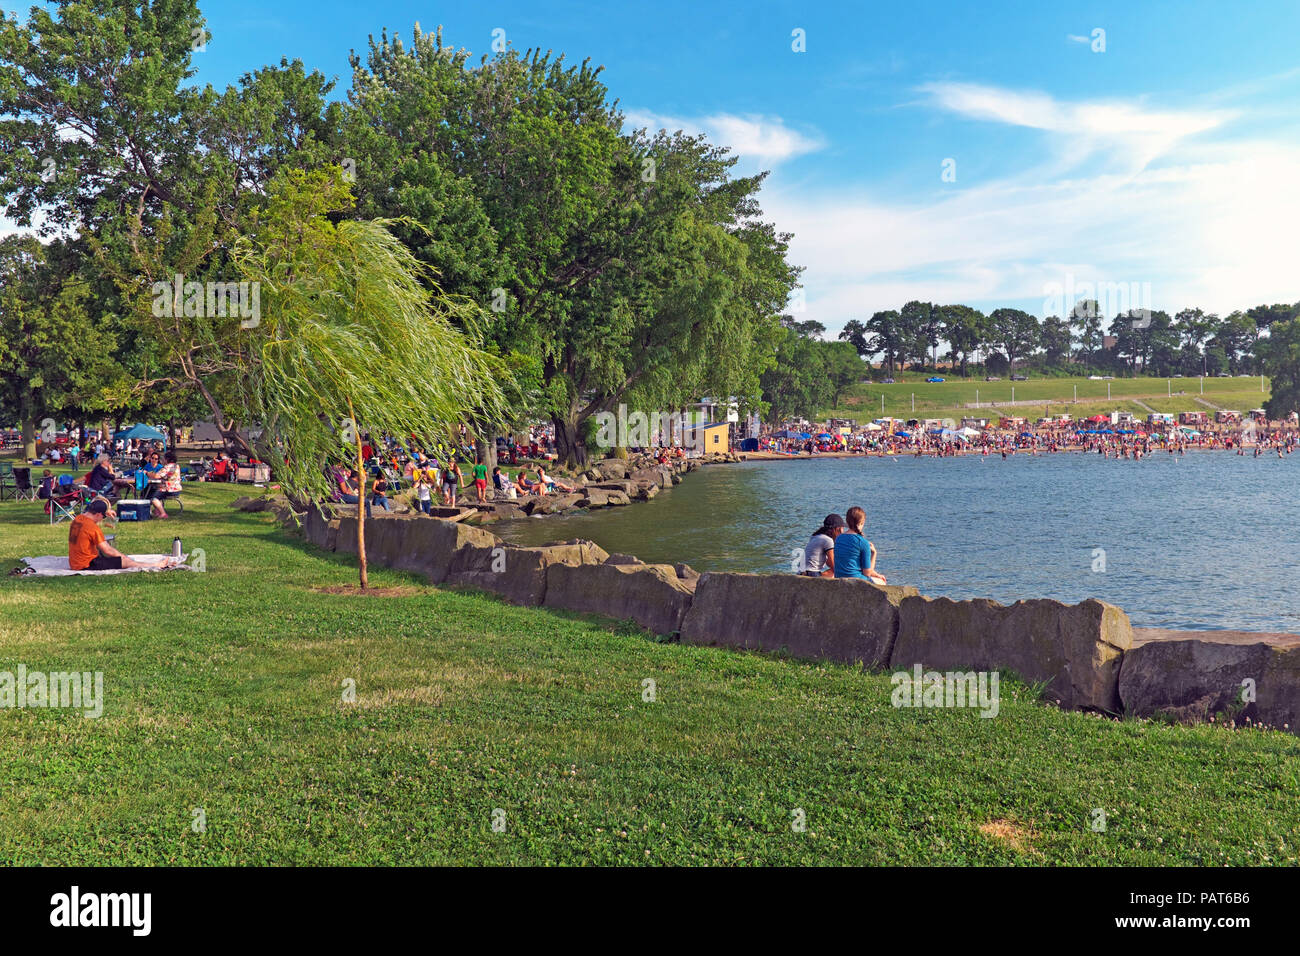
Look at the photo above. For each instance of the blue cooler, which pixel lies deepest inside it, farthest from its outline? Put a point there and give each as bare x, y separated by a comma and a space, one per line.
133, 510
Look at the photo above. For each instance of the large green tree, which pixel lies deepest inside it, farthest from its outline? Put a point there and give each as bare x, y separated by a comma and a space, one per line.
1016, 331
57, 359
634, 265
353, 340
1279, 358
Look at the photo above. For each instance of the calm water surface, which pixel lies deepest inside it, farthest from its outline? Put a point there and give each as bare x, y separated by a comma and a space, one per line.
1202, 541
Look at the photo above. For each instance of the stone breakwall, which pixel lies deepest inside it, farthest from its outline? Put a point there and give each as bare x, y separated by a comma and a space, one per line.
1086, 656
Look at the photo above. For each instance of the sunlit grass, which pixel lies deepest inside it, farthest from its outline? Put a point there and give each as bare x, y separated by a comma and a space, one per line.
225, 694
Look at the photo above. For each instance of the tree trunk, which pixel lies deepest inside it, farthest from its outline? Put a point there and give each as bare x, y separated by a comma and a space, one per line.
361, 500
487, 450
29, 437
171, 434
235, 445
569, 446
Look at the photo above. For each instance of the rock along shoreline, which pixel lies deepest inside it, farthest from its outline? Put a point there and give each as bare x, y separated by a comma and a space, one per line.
1086, 656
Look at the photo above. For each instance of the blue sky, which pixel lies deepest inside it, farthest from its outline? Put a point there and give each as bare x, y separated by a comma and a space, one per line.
1168, 162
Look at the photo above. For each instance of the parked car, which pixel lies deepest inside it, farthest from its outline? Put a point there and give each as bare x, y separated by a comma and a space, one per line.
934, 378
888, 381
992, 378
1019, 378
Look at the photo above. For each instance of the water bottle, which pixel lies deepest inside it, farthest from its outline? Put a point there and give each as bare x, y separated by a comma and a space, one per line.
176, 548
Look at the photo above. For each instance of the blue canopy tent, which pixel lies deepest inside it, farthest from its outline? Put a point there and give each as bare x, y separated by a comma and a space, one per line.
143, 432
749, 444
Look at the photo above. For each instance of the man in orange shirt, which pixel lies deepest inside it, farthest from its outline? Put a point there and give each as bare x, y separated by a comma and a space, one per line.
89, 551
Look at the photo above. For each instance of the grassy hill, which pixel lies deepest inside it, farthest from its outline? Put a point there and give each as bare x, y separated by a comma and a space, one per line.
948, 399
224, 694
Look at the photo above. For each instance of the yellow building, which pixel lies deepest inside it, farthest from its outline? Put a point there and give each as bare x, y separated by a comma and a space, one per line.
711, 438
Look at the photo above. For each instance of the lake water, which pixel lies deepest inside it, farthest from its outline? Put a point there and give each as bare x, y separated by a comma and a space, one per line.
1207, 540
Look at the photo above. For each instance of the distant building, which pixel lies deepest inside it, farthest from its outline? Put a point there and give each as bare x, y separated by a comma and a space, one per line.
711, 438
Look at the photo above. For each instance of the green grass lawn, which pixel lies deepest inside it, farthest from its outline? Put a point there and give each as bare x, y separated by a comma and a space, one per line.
948, 399
224, 693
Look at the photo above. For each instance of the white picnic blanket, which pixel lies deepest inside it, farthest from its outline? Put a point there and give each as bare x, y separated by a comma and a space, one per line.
56, 565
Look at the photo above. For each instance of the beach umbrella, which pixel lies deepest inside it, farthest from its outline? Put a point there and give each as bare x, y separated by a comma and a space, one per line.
140, 431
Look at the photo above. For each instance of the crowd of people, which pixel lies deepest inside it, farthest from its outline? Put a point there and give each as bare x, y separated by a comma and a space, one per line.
1124, 443
445, 473
156, 479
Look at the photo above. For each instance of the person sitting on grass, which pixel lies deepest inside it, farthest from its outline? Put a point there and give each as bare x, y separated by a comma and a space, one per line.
89, 550
855, 556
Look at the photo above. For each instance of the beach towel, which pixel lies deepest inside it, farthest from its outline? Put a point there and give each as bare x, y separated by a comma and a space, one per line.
56, 566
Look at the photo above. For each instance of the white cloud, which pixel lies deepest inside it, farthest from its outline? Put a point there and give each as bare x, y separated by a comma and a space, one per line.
1140, 135
1211, 225
765, 140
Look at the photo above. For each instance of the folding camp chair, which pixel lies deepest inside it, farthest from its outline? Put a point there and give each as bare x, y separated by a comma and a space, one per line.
66, 500
23, 485
7, 489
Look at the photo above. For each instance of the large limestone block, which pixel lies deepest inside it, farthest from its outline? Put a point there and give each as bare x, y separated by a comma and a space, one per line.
655, 475
624, 487
423, 545
816, 618
1193, 675
320, 528
1074, 648
610, 468
650, 594
518, 574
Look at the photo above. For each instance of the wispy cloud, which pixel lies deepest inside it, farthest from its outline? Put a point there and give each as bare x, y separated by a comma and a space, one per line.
1143, 134
766, 140
1207, 225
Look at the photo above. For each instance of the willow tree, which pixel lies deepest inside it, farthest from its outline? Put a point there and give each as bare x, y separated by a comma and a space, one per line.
351, 339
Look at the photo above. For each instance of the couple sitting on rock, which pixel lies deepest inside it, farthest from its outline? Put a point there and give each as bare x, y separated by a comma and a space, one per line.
838, 550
